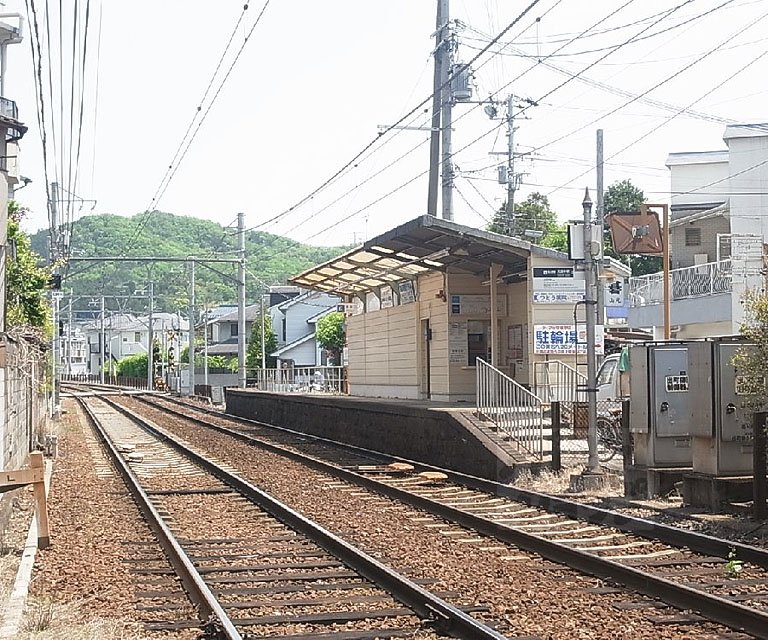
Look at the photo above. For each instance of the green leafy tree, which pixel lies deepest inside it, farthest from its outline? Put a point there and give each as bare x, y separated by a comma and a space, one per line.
26, 280
533, 213
557, 238
330, 334
752, 361
625, 197
253, 350
134, 366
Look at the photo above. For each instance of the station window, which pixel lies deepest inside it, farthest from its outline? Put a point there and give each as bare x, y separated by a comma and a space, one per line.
478, 341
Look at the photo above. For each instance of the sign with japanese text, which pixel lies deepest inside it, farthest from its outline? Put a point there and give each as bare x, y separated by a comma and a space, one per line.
558, 297
565, 339
558, 285
477, 305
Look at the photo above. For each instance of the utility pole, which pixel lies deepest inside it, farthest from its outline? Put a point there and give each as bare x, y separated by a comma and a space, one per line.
263, 337
102, 348
69, 335
55, 246
151, 334
191, 390
205, 348
593, 464
446, 107
241, 301
600, 217
434, 140
55, 354
511, 177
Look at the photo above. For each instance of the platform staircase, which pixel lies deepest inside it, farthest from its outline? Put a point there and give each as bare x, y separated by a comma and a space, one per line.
519, 419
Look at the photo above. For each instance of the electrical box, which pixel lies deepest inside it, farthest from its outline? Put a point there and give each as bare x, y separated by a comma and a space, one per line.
721, 414
660, 404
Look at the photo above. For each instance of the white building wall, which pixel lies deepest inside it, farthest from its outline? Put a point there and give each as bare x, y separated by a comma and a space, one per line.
749, 185
690, 172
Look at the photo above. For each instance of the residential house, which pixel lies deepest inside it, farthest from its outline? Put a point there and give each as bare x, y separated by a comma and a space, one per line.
127, 335
294, 322
718, 228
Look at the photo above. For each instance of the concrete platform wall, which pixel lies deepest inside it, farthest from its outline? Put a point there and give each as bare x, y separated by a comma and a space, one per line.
434, 436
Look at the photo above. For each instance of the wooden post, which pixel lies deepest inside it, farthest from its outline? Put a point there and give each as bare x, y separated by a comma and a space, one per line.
557, 459
759, 492
43, 537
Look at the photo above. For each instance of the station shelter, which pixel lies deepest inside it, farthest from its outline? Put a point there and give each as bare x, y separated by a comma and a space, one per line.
428, 298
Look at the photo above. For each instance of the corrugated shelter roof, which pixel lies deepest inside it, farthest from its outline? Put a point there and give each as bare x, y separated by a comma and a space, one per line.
417, 247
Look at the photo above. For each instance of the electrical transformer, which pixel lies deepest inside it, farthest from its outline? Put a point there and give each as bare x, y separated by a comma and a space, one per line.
660, 407
721, 411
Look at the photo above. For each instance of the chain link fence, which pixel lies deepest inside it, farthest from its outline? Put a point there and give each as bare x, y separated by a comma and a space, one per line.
570, 426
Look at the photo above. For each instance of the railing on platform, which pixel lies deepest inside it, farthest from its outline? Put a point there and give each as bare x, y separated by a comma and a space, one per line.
705, 279
300, 380
119, 381
517, 413
556, 381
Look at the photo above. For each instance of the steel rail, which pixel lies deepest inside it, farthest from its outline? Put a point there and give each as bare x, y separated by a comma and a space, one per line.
214, 619
715, 608
443, 615
668, 534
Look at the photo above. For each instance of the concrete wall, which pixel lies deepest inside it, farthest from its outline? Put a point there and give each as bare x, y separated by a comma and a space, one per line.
432, 436
683, 256
25, 404
692, 311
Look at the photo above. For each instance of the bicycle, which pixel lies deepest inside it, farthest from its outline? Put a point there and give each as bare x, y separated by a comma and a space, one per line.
609, 437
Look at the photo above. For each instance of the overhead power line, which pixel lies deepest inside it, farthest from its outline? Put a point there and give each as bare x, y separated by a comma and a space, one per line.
173, 168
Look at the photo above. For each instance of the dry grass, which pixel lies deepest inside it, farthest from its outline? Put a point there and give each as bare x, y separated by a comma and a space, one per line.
558, 482
48, 620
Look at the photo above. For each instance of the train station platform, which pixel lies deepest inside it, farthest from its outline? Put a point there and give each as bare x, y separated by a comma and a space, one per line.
440, 434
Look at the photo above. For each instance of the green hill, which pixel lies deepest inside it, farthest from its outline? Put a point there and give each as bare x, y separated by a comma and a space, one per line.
270, 258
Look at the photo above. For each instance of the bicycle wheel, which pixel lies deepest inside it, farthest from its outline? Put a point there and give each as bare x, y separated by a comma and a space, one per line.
608, 439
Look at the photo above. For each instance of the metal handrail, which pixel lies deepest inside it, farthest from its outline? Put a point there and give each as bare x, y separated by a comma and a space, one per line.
556, 381
706, 279
323, 379
516, 411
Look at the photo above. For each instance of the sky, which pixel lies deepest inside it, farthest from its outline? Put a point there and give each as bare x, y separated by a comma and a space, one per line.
316, 78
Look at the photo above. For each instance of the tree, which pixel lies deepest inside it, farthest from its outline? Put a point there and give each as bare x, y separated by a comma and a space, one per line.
532, 214
752, 361
134, 366
624, 197
557, 238
253, 350
26, 281
330, 334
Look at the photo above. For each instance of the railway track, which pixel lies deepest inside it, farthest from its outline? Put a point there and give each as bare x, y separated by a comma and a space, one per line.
250, 565
723, 581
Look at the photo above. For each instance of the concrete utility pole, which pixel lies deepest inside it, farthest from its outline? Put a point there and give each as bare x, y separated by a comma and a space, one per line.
593, 464
263, 336
434, 140
191, 390
205, 347
446, 110
151, 334
102, 347
55, 354
69, 335
600, 217
241, 301
511, 177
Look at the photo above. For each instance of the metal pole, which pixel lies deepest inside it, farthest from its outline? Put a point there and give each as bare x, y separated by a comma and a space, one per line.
600, 217
263, 337
69, 335
102, 347
191, 390
447, 118
593, 464
151, 338
511, 179
54, 221
434, 140
55, 357
667, 301
241, 301
205, 348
